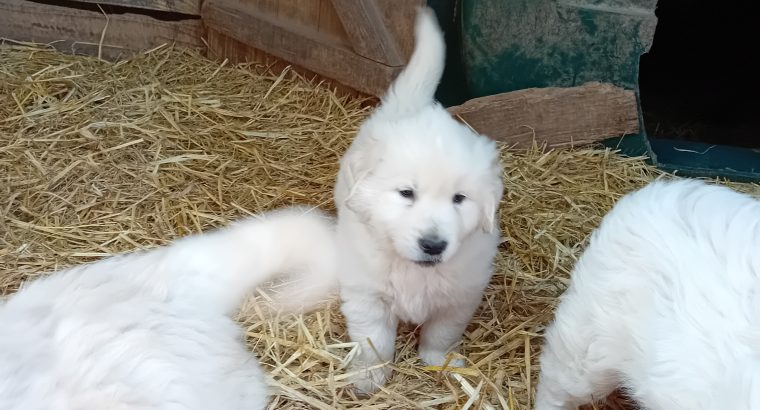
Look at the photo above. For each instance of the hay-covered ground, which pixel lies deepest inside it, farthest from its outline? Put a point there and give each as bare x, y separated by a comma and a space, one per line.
98, 158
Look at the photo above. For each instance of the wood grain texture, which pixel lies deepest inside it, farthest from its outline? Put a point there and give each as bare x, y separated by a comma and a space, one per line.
559, 117
190, 7
330, 24
222, 47
79, 31
298, 45
369, 37
267, 6
399, 17
304, 12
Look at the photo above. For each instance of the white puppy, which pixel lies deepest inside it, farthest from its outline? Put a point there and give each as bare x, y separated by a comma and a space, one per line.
665, 303
152, 330
417, 195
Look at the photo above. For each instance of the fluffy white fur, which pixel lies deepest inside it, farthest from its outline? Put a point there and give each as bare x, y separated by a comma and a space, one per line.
413, 179
665, 302
152, 330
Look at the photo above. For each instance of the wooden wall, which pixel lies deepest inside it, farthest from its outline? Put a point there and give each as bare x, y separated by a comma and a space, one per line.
359, 43
111, 31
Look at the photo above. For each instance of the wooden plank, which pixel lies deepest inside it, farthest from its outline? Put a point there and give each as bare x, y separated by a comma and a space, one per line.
221, 47
79, 31
330, 24
266, 6
190, 7
400, 22
366, 28
304, 12
559, 117
295, 44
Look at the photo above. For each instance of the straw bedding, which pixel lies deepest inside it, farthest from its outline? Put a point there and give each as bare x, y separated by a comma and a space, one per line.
98, 158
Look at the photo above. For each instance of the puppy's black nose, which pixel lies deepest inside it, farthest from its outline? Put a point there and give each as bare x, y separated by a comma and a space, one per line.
432, 246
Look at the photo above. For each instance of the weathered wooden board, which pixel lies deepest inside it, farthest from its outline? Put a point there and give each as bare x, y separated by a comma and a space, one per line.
222, 47
370, 38
80, 31
399, 17
189, 7
559, 117
298, 44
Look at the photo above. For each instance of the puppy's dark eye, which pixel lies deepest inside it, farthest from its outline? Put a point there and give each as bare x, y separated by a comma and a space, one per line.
458, 198
406, 193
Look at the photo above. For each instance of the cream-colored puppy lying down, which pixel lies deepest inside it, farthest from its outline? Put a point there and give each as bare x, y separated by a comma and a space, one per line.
152, 330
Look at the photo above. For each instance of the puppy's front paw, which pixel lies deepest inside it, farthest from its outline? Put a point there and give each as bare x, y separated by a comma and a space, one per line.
433, 357
368, 379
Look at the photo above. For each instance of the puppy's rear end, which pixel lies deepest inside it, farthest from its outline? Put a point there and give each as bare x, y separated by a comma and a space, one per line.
663, 304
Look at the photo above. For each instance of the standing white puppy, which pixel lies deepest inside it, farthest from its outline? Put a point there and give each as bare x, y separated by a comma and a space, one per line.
665, 303
417, 196
152, 330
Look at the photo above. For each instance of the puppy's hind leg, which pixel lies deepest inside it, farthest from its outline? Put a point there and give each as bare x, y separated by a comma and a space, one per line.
575, 367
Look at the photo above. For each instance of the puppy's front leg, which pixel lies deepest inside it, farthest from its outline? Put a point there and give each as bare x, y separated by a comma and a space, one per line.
371, 324
442, 332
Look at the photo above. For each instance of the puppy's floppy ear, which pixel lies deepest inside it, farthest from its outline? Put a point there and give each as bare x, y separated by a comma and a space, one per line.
490, 207
492, 198
355, 166
353, 169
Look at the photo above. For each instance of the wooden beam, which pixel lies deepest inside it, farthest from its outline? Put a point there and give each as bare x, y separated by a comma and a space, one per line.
298, 45
189, 7
79, 31
367, 31
559, 117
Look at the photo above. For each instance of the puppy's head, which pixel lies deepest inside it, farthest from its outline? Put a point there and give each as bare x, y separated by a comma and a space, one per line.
423, 183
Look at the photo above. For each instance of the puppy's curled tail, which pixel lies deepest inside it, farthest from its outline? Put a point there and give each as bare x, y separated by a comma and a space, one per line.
221, 267
415, 86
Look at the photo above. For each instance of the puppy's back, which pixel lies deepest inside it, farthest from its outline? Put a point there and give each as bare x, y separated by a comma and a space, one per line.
663, 301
